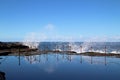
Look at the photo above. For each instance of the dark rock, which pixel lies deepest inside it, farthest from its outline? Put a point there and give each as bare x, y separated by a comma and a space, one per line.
12, 45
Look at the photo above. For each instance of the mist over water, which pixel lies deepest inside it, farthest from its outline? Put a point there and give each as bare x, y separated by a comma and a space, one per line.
100, 47
79, 47
93, 44
32, 40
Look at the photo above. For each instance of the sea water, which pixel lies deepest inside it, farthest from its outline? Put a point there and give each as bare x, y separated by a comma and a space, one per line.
57, 66
101, 47
61, 66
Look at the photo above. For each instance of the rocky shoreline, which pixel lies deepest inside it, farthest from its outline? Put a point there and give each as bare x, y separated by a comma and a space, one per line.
17, 47
13, 47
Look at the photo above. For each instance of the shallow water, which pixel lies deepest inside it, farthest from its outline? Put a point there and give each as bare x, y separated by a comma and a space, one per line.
57, 66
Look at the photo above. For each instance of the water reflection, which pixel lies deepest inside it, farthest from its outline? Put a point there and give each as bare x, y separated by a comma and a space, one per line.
59, 66
57, 57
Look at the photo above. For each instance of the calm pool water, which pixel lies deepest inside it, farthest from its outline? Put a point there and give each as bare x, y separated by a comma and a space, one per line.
59, 67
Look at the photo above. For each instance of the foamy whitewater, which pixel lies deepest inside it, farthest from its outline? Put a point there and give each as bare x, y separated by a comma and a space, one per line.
79, 47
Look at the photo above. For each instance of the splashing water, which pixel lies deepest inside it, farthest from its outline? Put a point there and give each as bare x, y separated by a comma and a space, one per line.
90, 45
81, 48
99, 47
74, 47
33, 40
32, 45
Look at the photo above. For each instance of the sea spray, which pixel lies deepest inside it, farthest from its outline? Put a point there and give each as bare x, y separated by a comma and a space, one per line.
74, 47
32, 45
32, 40
95, 44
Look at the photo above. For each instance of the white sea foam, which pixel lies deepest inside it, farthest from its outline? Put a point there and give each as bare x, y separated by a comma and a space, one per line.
33, 40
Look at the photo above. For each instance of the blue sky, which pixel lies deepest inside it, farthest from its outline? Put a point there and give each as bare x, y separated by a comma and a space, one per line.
59, 19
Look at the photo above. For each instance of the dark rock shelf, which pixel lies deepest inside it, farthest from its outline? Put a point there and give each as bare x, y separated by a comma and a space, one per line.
100, 54
13, 47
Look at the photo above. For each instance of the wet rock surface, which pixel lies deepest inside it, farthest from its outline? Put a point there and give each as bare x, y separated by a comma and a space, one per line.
11, 45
